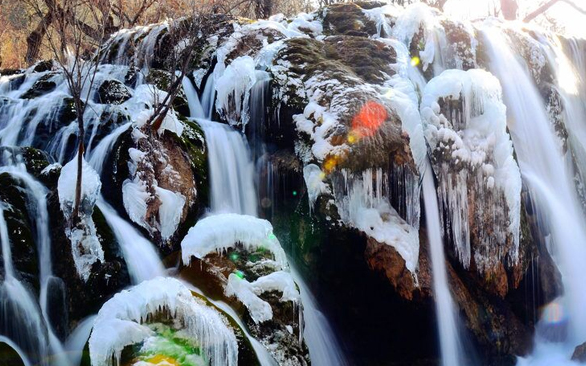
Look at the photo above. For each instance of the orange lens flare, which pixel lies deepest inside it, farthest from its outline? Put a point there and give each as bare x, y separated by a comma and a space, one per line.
370, 118
330, 164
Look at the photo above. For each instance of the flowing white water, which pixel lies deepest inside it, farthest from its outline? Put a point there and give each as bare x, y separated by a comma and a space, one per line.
77, 340
231, 170
549, 178
21, 318
195, 107
324, 348
570, 83
139, 253
232, 190
450, 343
37, 201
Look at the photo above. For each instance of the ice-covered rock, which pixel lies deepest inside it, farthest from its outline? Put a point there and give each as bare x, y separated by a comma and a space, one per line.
479, 179
85, 246
122, 322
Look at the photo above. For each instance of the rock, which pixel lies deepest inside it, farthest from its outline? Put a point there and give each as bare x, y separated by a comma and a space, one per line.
579, 354
20, 229
384, 258
83, 298
175, 164
162, 80
11, 72
347, 19
112, 92
9, 357
280, 334
43, 66
41, 87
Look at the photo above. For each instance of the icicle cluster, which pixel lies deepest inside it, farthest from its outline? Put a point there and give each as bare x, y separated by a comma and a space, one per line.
120, 322
479, 179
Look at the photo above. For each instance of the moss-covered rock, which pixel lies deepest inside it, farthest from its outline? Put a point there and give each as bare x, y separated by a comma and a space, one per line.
347, 19
162, 80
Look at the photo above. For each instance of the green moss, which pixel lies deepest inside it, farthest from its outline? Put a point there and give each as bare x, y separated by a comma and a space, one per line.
347, 19
193, 143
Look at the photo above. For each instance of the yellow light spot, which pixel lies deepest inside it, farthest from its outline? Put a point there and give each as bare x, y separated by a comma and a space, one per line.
322, 175
163, 360
415, 61
351, 138
330, 164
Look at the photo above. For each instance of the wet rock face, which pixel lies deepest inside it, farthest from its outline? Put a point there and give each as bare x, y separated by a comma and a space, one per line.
20, 229
384, 258
579, 354
9, 357
113, 92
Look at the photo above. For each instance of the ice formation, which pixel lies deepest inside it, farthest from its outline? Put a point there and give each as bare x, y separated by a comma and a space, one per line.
220, 232
465, 126
234, 90
121, 322
248, 292
363, 203
314, 181
85, 246
217, 233
139, 191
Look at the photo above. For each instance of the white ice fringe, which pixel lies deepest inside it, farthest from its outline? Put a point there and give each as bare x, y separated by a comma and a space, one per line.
119, 322
219, 232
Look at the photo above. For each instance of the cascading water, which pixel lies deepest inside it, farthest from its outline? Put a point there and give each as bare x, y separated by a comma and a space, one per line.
548, 176
233, 191
21, 317
231, 170
450, 343
49, 284
140, 255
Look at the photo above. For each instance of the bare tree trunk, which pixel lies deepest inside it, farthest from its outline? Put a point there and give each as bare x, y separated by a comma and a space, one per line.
545, 7
509, 9
35, 39
80, 152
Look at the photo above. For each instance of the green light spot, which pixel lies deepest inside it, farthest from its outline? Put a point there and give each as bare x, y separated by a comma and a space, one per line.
234, 257
239, 274
272, 236
295, 193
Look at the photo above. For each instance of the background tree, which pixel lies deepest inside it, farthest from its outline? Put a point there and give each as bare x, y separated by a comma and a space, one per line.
75, 30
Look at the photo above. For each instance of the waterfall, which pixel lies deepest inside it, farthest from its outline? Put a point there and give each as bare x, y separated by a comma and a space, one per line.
77, 340
549, 178
195, 108
231, 170
324, 348
139, 253
21, 317
232, 190
15, 290
450, 343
